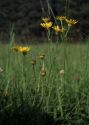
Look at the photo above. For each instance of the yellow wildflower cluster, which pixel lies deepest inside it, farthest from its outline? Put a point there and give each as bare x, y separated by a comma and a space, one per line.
22, 49
48, 24
71, 22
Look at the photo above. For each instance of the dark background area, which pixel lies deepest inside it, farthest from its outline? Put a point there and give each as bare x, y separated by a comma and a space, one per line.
25, 16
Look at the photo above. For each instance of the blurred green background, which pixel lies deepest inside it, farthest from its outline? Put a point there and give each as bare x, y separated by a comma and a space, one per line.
25, 17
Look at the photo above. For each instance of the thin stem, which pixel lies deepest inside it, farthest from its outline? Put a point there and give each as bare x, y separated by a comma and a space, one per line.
62, 35
66, 34
34, 73
23, 77
42, 7
48, 7
48, 35
67, 4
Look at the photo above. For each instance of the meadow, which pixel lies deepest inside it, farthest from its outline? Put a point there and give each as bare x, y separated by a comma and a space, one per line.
47, 85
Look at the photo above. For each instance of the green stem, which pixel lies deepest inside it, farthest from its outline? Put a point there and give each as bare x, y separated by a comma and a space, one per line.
23, 77
67, 4
34, 73
48, 35
66, 34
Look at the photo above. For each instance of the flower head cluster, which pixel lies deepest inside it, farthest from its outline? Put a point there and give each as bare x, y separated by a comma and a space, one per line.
62, 26
71, 22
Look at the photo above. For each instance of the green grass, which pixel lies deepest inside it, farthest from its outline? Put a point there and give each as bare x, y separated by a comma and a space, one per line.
64, 97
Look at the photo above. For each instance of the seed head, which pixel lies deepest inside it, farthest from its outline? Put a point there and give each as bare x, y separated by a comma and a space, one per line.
42, 56
43, 72
33, 61
61, 72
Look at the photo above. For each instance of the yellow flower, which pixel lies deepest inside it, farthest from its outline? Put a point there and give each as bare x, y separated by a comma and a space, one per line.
24, 49
60, 18
46, 25
45, 19
71, 22
57, 29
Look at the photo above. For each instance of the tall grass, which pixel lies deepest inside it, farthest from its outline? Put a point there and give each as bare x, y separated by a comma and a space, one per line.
63, 96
